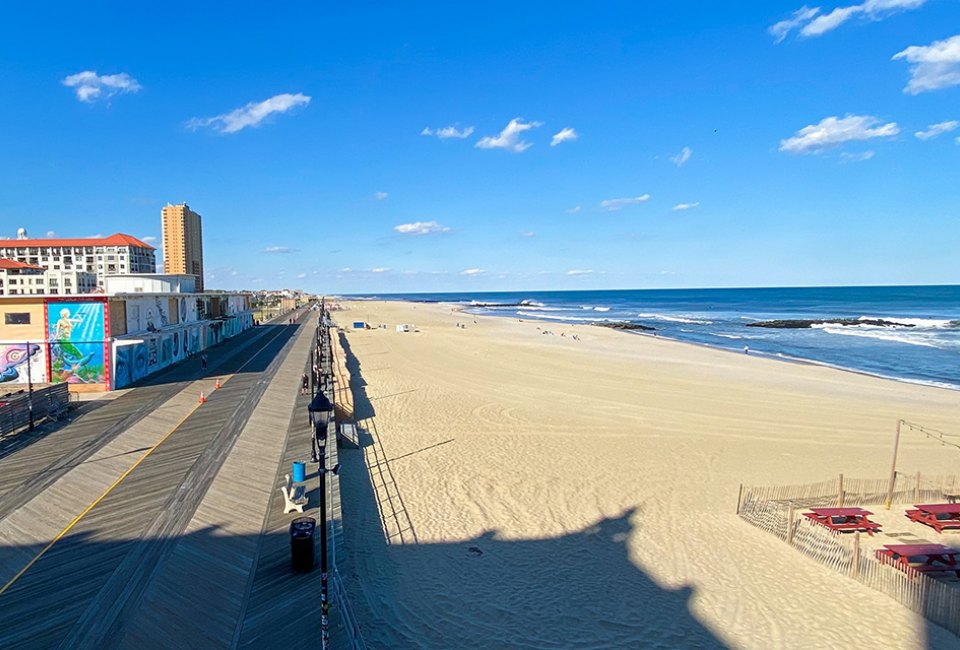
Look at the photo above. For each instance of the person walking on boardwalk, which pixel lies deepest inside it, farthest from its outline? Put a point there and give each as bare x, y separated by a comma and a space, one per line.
203, 361
304, 384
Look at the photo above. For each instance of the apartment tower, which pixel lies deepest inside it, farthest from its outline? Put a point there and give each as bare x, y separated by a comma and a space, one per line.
182, 241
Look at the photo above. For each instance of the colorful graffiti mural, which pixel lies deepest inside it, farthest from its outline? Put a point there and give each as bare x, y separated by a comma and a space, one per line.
22, 362
144, 355
147, 314
76, 333
131, 364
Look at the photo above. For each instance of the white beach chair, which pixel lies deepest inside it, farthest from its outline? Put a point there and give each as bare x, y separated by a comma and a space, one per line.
293, 495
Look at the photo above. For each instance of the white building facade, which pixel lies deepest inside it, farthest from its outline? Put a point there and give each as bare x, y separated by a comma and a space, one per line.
65, 259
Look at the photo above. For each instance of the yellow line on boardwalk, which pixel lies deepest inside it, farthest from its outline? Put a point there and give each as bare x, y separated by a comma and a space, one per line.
97, 500
126, 473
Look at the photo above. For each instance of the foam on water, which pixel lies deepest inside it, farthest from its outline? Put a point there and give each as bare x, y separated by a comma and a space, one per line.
675, 319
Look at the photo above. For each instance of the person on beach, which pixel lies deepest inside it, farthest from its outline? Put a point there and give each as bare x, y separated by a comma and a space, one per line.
203, 361
746, 349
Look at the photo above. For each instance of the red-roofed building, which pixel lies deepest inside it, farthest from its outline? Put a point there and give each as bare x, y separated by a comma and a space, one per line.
14, 275
69, 263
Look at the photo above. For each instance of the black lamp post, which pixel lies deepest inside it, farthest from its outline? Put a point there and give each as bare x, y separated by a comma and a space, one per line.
321, 413
30, 384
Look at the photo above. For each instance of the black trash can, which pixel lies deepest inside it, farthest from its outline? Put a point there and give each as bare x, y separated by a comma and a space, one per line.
302, 530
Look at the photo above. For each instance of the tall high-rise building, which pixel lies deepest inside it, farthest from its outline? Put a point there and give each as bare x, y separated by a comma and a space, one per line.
182, 241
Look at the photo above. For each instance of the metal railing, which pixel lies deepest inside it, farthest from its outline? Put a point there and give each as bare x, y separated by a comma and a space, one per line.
15, 408
321, 363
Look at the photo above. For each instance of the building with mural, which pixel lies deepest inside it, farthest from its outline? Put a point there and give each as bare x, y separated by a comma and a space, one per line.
102, 342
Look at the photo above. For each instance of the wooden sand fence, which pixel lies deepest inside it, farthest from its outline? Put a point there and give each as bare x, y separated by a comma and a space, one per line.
777, 510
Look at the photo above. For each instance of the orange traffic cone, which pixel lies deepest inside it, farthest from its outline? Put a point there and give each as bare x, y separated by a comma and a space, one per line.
217, 387
202, 398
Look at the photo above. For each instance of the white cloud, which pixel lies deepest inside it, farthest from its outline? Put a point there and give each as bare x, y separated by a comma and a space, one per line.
799, 17
380, 269
251, 114
301, 275
51, 234
573, 210
827, 22
682, 157
472, 272
614, 205
936, 129
280, 249
580, 272
686, 206
89, 86
563, 136
933, 66
857, 157
420, 228
527, 233
97, 236
834, 131
448, 132
814, 23
148, 239
380, 196
509, 138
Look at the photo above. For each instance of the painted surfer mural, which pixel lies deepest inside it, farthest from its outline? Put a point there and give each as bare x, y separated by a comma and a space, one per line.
76, 337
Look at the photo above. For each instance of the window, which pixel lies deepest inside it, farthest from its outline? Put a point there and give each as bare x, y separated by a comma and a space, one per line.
16, 318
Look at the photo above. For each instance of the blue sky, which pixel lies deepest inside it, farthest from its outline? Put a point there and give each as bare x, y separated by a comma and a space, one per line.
309, 139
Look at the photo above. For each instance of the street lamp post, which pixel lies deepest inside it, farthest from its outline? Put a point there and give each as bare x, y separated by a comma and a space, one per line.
29, 386
321, 412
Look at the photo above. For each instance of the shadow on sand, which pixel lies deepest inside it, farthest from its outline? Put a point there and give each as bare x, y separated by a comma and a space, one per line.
577, 590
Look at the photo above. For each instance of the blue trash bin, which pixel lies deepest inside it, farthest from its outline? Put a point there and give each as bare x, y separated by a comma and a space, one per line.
299, 471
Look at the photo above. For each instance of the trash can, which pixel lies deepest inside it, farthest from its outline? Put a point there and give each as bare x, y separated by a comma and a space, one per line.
302, 530
299, 471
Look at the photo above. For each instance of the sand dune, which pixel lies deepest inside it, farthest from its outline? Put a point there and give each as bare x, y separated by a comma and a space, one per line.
524, 490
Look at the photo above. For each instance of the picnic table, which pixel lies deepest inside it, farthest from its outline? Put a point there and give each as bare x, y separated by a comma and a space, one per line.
843, 520
922, 558
938, 516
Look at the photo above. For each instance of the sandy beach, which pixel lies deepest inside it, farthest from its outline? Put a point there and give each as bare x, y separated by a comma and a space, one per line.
527, 490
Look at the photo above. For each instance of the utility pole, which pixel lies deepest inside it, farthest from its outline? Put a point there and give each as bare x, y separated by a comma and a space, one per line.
893, 465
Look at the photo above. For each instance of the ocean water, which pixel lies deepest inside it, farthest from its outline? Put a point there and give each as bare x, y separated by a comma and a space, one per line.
923, 346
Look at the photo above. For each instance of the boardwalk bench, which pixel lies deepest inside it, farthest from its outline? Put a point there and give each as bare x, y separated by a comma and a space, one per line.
294, 496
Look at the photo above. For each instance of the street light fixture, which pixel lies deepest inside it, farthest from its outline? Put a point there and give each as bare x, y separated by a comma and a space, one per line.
321, 413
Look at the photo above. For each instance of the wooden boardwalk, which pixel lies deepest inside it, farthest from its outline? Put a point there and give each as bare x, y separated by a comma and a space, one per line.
45, 483
190, 549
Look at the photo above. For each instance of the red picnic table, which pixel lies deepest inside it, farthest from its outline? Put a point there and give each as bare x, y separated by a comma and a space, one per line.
842, 520
922, 558
938, 516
